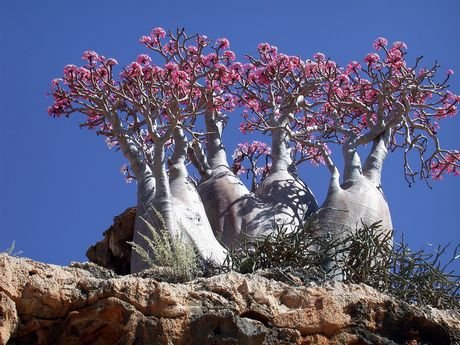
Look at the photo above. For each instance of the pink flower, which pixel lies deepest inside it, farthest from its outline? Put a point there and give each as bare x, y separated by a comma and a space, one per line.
179, 78
103, 73
170, 48
209, 59
192, 50
450, 71
82, 73
260, 77
144, 59
319, 56
246, 127
55, 82
263, 48
222, 43
171, 67
372, 58
399, 45
370, 95
353, 66
237, 67
422, 72
146, 40
379, 43
448, 164
202, 40
159, 32
61, 105
331, 65
111, 62
69, 70
91, 56
313, 153
93, 121
395, 58
452, 96
134, 69
310, 68
229, 55
448, 110
343, 79
251, 148
294, 61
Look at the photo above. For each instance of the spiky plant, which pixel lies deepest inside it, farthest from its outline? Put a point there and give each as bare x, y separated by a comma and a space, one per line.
169, 251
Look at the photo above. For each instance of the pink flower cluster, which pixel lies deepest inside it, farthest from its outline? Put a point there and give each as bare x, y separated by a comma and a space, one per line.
188, 73
314, 96
311, 152
372, 58
222, 43
154, 38
248, 149
394, 56
446, 164
379, 43
252, 152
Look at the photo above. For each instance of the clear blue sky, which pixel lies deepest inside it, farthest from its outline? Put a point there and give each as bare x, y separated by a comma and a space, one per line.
60, 186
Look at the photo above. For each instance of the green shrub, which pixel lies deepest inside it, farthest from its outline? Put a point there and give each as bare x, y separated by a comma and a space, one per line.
367, 255
167, 251
301, 248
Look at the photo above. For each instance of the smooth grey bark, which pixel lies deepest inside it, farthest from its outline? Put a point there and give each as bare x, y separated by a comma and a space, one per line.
146, 188
191, 220
232, 210
151, 206
359, 199
288, 198
177, 202
226, 199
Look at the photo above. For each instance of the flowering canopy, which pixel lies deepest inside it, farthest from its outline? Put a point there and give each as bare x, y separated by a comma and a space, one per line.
309, 107
319, 103
316, 101
147, 101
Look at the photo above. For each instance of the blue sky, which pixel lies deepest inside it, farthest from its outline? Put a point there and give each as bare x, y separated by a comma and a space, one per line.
60, 186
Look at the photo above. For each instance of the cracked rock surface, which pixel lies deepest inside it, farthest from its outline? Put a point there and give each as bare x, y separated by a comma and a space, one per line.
48, 304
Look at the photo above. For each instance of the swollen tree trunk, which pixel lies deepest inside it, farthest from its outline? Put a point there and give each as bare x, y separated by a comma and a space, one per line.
191, 220
228, 203
289, 200
150, 207
145, 194
232, 210
359, 199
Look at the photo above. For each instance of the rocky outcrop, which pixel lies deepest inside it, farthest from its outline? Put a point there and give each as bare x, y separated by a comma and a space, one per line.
48, 304
113, 251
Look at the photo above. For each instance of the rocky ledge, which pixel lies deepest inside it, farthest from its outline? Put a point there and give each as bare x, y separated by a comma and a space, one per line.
48, 304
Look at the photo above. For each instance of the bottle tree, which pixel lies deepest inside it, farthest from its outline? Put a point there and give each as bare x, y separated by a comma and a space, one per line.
171, 107
281, 199
383, 102
148, 111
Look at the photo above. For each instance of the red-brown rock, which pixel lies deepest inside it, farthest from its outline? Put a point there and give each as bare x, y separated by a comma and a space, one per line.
113, 251
48, 304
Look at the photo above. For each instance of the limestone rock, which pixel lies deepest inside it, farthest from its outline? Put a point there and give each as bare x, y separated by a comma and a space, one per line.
113, 252
48, 304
